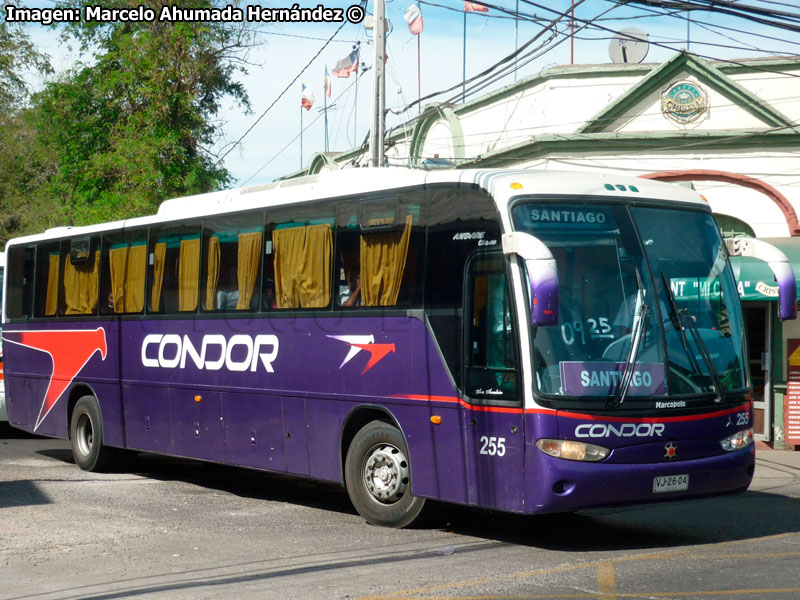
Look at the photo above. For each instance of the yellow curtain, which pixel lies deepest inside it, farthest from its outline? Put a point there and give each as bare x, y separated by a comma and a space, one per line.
383, 260
51, 299
303, 266
212, 278
289, 246
159, 260
135, 271
80, 286
247, 268
118, 263
188, 274
315, 282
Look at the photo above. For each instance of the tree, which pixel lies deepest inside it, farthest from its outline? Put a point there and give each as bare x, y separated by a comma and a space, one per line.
134, 127
24, 165
17, 55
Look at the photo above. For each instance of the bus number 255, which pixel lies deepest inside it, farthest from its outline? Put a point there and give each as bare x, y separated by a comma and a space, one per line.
493, 446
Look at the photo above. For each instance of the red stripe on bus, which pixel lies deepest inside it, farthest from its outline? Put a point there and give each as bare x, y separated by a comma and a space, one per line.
457, 400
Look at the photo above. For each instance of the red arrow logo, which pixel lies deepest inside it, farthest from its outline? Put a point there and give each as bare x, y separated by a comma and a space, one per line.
376, 351
69, 350
358, 343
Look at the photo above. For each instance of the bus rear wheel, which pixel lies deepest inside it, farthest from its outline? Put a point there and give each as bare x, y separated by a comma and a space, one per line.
377, 474
86, 435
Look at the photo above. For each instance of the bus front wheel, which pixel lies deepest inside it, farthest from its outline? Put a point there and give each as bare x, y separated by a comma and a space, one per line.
86, 434
378, 476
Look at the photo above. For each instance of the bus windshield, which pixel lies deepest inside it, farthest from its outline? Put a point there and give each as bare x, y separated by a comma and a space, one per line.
646, 296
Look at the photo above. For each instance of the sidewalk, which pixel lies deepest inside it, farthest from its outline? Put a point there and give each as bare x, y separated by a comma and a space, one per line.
768, 446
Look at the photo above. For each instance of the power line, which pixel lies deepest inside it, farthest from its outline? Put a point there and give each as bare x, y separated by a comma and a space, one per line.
286, 89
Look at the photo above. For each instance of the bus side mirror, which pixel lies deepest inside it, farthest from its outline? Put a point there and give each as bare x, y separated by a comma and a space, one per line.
542, 275
778, 263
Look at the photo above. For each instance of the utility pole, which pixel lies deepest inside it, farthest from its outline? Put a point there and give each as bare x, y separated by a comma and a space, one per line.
376, 132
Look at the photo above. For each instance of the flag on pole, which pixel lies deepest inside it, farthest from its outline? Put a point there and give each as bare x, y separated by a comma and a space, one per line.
475, 7
326, 83
413, 17
347, 65
307, 99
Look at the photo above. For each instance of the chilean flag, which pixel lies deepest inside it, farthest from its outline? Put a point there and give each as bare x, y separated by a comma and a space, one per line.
475, 7
326, 83
307, 99
413, 17
347, 65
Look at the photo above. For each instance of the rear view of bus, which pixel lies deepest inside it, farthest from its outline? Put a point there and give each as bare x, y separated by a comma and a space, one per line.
640, 376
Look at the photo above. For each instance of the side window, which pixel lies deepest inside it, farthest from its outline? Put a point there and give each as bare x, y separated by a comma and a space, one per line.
232, 250
491, 355
20, 273
174, 269
299, 258
380, 251
80, 276
460, 222
48, 276
123, 272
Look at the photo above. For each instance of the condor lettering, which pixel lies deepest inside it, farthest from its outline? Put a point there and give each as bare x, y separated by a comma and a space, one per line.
625, 430
237, 353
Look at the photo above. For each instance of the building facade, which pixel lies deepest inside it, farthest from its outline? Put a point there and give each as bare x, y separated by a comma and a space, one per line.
729, 129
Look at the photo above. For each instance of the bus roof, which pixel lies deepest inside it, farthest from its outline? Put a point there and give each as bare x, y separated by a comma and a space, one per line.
354, 182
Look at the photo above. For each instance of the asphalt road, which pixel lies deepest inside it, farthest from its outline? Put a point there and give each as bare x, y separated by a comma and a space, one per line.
173, 529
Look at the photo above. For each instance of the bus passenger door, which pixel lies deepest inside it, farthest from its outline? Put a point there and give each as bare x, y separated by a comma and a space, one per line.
493, 415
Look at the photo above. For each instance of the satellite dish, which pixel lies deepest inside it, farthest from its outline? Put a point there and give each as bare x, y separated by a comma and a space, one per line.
629, 46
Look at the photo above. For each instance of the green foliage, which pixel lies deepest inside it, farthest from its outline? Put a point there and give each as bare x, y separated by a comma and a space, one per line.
17, 55
133, 127
24, 165
25, 168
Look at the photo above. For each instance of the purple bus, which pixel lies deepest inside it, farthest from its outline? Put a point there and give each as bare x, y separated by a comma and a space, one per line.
519, 340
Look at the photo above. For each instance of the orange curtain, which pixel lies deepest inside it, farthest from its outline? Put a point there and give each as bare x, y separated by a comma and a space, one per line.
188, 274
315, 281
118, 262
51, 299
383, 261
135, 270
303, 258
289, 246
247, 268
159, 261
212, 279
80, 286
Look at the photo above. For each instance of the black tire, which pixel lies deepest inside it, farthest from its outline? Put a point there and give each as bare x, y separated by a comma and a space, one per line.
377, 474
86, 435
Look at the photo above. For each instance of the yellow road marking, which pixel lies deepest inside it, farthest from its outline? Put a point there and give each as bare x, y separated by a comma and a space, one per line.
605, 581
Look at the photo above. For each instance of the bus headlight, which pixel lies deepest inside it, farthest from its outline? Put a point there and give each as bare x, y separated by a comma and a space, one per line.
572, 450
737, 441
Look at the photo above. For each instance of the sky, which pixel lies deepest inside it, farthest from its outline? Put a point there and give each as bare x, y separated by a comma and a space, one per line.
266, 144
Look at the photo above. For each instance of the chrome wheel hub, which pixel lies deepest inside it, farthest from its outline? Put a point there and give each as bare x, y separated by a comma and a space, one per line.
386, 474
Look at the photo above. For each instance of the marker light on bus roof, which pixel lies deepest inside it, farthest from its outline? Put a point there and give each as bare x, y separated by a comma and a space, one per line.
572, 450
516, 186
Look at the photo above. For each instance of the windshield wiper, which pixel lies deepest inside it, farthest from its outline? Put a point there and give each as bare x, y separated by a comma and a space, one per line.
686, 321
637, 333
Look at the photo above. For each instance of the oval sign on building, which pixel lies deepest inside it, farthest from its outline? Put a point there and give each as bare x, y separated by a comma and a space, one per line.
684, 102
